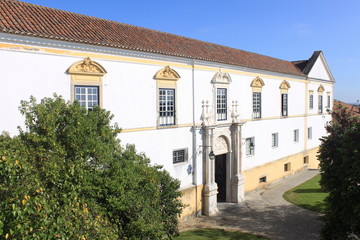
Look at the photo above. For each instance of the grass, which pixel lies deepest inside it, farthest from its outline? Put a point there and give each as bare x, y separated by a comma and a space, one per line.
308, 195
218, 234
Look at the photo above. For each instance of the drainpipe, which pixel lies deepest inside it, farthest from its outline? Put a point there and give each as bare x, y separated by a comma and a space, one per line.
194, 149
194, 152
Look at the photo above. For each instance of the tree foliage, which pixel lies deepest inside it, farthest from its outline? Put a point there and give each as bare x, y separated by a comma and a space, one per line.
67, 177
340, 175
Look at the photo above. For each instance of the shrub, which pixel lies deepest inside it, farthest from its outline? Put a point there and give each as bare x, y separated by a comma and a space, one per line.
67, 177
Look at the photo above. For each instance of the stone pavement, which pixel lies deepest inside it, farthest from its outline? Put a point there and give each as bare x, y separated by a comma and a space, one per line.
266, 213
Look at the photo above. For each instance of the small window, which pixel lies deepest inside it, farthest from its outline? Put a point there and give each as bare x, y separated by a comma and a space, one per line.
166, 106
284, 104
310, 133
274, 140
180, 155
262, 179
328, 101
250, 146
87, 96
306, 160
287, 167
320, 104
296, 135
256, 105
311, 101
221, 104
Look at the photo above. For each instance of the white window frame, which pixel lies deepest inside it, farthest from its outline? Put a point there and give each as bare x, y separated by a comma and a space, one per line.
221, 104
256, 105
167, 111
85, 98
311, 101
274, 140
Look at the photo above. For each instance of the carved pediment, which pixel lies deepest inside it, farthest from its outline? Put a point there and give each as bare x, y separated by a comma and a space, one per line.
221, 77
221, 146
87, 66
321, 89
257, 82
284, 85
167, 73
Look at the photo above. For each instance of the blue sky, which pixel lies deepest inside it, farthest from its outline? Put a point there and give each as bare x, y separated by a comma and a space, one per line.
289, 30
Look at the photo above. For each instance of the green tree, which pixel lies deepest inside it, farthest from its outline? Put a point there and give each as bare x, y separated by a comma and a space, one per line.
340, 175
67, 177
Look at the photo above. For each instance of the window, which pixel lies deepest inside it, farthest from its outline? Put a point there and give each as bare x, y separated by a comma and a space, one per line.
262, 179
311, 101
306, 160
296, 135
328, 101
320, 103
221, 104
87, 96
256, 105
166, 106
274, 140
180, 155
284, 104
250, 146
310, 133
287, 167
86, 83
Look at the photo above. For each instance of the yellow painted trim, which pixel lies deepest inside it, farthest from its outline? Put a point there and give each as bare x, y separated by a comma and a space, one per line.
18, 47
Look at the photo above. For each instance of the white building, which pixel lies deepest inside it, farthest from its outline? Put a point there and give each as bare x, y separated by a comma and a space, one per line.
177, 99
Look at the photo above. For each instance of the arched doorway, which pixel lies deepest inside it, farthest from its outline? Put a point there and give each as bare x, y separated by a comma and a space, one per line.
221, 151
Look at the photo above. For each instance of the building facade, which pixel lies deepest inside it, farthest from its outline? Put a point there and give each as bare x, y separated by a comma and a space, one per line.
223, 121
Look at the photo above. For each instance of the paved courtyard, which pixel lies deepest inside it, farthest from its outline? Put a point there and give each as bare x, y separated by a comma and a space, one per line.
265, 212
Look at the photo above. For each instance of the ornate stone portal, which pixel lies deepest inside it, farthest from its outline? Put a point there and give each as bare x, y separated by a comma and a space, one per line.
224, 139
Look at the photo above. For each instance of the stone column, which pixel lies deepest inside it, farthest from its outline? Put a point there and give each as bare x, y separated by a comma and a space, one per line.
210, 188
237, 179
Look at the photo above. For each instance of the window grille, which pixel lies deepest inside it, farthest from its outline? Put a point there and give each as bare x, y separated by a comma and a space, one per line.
180, 156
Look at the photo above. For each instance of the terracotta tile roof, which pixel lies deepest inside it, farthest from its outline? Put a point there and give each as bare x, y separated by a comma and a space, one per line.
353, 109
33, 20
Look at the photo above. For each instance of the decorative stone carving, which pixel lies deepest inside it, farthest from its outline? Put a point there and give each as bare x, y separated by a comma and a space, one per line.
221, 146
284, 85
87, 66
234, 113
167, 73
321, 89
206, 116
221, 77
257, 83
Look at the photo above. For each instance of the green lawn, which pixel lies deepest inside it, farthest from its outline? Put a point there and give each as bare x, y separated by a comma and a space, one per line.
308, 195
218, 234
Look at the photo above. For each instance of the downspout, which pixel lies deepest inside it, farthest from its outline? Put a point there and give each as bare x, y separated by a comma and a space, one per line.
194, 149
